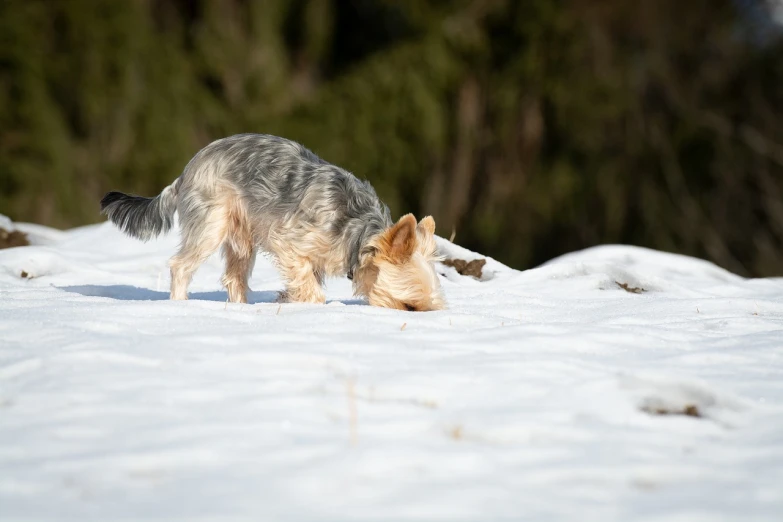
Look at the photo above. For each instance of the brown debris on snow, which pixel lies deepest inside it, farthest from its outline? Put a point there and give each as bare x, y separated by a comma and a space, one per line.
467, 268
630, 289
690, 410
11, 239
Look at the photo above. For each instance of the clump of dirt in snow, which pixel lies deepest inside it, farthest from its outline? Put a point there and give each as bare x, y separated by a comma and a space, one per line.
12, 238
667, 397
690, 410
467, 268
630, 289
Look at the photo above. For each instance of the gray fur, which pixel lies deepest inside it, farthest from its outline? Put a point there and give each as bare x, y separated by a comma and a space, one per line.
278, 181
140, 217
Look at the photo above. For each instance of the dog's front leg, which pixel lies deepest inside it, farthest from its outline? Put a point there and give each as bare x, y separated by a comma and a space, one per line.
303, 281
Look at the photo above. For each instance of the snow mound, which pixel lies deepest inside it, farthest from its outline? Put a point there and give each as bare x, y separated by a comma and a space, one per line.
36, 234
660, 264
615, 383
664, 396
6, 223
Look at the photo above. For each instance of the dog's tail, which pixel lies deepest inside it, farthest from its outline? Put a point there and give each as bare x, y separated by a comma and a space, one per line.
140, 217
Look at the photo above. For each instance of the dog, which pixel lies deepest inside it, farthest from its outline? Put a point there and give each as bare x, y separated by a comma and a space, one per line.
257, 192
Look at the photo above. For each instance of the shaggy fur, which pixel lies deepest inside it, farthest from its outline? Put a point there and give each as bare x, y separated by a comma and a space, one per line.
254, 192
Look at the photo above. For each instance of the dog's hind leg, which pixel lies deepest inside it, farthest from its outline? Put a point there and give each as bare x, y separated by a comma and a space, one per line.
239, 266
202, 236
238, 251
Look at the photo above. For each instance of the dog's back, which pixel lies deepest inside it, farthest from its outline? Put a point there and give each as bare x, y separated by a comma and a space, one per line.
282, 187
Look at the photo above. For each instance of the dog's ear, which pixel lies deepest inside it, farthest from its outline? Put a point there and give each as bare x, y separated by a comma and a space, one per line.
400, 240
427, 224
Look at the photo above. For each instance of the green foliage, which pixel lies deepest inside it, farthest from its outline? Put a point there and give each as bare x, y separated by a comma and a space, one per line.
532, 128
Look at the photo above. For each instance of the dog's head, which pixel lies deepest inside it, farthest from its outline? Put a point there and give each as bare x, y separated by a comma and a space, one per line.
398, 267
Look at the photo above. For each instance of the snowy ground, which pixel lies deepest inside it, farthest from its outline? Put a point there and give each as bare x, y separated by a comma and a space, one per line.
534, 397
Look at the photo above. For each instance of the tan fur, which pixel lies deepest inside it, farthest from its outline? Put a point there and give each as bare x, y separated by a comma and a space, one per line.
195, 251
303, 282
304, 256
238, 250
228, 225
427, 225
399, 274
399, 242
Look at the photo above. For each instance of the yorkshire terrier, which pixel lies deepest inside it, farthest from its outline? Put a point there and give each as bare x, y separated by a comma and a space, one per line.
254, 192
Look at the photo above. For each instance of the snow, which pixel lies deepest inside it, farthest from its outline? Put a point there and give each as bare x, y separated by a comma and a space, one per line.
534, 397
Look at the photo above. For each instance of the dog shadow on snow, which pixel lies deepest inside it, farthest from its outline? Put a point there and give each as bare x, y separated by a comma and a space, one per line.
134, 293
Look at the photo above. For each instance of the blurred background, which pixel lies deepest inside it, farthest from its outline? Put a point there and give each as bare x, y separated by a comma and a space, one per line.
531, 128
